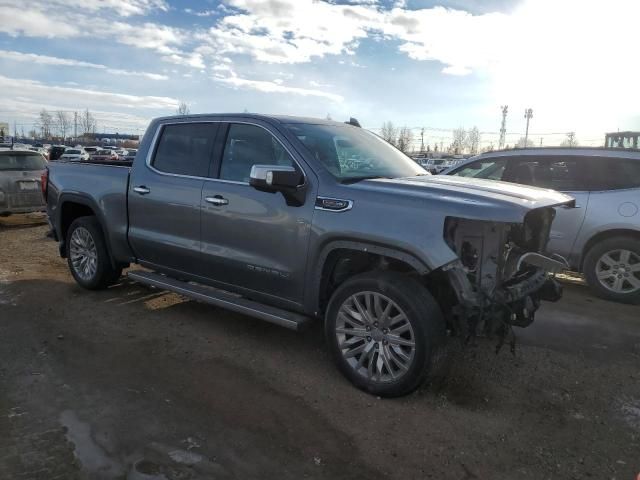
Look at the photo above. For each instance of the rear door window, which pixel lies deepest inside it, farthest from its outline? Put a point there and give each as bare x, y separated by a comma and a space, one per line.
614, 174
556, 173
185, 149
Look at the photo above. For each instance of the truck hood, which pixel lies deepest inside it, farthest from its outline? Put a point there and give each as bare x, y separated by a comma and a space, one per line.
472, 197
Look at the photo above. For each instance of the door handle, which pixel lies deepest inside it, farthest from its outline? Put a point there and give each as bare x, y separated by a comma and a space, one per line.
217, 200
142, 190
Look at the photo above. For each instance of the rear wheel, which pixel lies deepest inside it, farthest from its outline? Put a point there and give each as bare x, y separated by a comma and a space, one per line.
87, 255
612, 269
383, 328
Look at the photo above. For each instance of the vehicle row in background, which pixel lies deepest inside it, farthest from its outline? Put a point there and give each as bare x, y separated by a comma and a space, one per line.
600, 237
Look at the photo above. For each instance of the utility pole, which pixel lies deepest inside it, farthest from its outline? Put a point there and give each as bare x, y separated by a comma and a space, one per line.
540, 141
528, 114
75, 126
422, 140
503, 127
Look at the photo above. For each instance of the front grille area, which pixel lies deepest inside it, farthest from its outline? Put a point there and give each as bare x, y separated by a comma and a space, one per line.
31, 199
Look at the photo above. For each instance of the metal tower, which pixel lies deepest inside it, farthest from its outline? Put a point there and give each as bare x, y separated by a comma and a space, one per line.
503, 127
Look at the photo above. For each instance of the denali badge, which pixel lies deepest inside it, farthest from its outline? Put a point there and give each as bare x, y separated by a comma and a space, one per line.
333, 204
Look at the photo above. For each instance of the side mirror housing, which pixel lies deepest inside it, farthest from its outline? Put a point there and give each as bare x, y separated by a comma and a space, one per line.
279, 178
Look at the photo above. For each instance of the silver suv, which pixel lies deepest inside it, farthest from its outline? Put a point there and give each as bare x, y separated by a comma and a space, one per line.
601, 236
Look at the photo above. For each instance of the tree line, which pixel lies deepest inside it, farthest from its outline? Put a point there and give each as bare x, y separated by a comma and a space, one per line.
464, 141
63, 124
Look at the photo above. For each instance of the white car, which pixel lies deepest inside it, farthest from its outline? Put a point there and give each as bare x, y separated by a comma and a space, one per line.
75, 155
92, 150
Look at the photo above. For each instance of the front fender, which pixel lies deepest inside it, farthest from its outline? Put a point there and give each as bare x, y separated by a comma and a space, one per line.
316, 265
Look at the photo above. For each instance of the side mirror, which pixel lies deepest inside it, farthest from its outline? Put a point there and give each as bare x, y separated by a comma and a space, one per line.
279, 178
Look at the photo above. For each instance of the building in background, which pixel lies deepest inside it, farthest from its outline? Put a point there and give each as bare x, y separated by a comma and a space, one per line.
622, 140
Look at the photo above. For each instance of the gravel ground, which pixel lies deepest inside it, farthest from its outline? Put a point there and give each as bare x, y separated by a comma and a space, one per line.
135, 383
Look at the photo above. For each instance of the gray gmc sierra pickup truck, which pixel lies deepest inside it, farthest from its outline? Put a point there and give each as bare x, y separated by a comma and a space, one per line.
291, 219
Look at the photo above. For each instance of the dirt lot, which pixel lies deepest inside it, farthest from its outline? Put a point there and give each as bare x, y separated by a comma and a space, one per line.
139, 384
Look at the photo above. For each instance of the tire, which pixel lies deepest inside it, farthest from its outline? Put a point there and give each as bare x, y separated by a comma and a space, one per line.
354, 353
622, 256
86, 240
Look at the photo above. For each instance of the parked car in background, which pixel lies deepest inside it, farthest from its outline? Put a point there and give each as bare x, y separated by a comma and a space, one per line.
105, 156
121, 152
92, 150
20, 188
56, 151
131, 155
274, 213
601, 236
437, 165
42, 151
75, 155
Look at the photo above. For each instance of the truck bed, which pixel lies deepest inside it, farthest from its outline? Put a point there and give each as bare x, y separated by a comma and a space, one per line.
101, 186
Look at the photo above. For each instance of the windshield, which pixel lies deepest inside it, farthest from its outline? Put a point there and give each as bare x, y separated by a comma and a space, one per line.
72, 152
22, 162
351, 153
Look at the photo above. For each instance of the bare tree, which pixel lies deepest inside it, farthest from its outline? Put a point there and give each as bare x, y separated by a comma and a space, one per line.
183, 108
45, 122
63, 123
570, 141
87, 122
389, 133
405, 138
472, 141
521, 143
459, 140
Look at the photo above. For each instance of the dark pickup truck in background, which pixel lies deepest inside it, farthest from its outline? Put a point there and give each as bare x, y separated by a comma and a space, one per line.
291, 219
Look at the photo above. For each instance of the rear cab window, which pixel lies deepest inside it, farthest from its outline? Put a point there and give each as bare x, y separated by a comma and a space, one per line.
185, 149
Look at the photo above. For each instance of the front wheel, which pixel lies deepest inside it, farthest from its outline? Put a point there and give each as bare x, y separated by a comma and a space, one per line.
383, 328
612, 269
87, 255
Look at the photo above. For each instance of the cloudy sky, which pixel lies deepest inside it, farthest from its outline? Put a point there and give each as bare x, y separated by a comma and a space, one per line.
421, 63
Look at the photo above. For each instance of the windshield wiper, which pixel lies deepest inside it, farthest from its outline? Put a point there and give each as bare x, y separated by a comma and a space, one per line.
350, 180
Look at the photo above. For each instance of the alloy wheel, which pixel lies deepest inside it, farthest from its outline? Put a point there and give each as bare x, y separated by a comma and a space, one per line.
619, 271
83, 253
375, 337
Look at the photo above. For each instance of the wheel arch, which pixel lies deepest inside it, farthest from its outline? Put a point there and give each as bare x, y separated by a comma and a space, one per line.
605, 235
341, 259
73, 206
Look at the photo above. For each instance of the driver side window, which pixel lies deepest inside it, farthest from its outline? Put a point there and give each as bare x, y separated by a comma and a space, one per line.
249, 145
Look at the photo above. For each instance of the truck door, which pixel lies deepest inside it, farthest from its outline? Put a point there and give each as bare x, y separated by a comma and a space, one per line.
253, 240
165, 195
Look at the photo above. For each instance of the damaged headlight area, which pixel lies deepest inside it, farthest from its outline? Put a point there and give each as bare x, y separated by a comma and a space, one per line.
502, 273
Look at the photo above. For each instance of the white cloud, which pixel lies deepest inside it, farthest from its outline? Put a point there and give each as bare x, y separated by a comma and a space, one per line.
276, 86
202, 13
40, 93
48, 60
17, 21
290, 31
76, 19
123, 8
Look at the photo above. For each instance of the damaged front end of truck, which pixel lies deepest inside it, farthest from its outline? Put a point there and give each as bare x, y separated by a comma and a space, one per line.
502, 273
